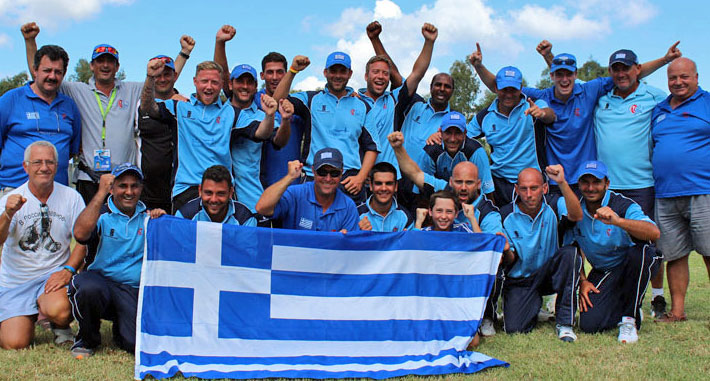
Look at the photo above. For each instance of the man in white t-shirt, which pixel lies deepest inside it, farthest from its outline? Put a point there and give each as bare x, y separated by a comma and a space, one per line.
36, 223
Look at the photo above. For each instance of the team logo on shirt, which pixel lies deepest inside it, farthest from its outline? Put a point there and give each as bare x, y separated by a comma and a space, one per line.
685, 115
64, 115
120, 103
140, 231
576, 112
352, 111
32, 115
660, 118
608, 232
633, 109
217, 120
305, 223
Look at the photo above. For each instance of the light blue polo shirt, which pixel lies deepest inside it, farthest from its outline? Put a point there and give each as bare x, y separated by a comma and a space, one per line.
396, 219
121, 242
298, 209
681, 152
420, 122
456, 228
605, 246
439, 163
491, 222
337, 123
622, 128
512, 138
26, 118
570, 139
533, 239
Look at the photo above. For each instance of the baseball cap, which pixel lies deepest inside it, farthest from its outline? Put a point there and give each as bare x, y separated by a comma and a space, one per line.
243, 69
625, 56
168, 60
338, 58
453, 119
564, 61
593, 167
509, 76
102, 49
328, 156
125, 167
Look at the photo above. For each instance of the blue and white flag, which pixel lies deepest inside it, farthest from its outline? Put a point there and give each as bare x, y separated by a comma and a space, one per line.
223, 301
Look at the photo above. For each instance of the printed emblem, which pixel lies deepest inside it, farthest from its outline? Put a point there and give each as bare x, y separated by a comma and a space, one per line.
217, 120
633, 109
305, 223
685, 115
576, 112
140, 231
660, 118
120, 103
64, 116
352, 111
32, 115
608, 232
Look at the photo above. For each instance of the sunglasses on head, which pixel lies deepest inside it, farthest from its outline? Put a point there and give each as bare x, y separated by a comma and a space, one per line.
323, 172
564, 61
167, 60
106, 49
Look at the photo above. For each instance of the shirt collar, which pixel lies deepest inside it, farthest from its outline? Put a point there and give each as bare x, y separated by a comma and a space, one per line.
194, 101
338, 202
140, 208
230, 212
393, 207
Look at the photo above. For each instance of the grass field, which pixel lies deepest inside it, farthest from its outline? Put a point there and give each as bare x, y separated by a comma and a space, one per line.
675, 351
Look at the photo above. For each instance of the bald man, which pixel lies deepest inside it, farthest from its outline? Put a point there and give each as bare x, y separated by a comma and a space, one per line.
680, 127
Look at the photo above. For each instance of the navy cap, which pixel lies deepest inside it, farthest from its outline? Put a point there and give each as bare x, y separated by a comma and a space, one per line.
102, 49
564, 61
453, 119
239, 70
168, 60
338, 58
328, 156
125, 167
509, 76
593, 167
625, 56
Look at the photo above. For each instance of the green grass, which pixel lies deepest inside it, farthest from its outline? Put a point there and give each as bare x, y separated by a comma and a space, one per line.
675, 351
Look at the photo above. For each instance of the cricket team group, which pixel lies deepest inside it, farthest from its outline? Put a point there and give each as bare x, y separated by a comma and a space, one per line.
611, 172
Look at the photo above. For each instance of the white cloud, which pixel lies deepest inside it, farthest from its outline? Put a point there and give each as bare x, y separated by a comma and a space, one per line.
5, 40
638, 13
52, 13
309, 83
553, 23
386, 9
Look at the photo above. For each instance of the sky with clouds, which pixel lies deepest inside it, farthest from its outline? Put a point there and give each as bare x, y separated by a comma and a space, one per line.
507, 30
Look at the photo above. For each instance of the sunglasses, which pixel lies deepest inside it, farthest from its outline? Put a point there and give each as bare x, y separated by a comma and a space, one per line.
106, 49
322, 172
564, 61
44, 212
167, 60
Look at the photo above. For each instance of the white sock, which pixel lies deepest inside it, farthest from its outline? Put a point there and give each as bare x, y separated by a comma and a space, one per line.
656, 292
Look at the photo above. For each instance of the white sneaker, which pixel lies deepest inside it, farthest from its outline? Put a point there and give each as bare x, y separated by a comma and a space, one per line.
487, 328
544, 315
627, 330
565, 333
62, 335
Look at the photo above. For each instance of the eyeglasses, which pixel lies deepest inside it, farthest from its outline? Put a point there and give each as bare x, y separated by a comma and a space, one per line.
106, 49
564, 61
44, 212
165, 59
322, 172
38, 163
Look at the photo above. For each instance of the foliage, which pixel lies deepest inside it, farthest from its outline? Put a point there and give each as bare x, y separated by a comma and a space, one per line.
9, 83
587, 72
466, 88
82, 72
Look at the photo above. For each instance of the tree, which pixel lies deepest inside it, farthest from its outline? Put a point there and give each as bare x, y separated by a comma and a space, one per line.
9, 83
587, 72
466, 88
82, 72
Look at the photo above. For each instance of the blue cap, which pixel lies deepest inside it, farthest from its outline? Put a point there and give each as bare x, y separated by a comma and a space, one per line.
453, 119
328, 156
594, 168
102, 49
509, 76
125, 167
625, 56
243, 69
168, 60
338, 58
564, 61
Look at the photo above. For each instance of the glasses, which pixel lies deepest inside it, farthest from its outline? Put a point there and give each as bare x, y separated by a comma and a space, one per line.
106, 49
564, 61
44, 212
166, 59
38, 163
322, 172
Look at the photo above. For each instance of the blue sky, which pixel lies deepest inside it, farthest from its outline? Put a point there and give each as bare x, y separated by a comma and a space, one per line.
507, 30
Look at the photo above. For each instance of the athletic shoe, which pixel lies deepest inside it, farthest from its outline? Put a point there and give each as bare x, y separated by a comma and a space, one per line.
658, 306
79, 351
487, 328
544, 315
627, 330
565, 333
62, 335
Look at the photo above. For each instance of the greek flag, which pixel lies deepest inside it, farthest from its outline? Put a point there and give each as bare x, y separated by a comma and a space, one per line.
222, 301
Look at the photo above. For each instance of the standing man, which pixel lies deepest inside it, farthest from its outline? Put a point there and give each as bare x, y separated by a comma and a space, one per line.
108, 289
37, 111
37, 260
680, 126
216, 202
381, 212
318, 205
622, 128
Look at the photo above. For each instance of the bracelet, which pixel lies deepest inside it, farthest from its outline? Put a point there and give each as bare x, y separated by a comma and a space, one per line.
70, 269
9, 219
292, 70
184, 55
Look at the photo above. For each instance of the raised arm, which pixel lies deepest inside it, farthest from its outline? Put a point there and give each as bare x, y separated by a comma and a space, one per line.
488, 78
422, 63
266, 126
649, 67
30, 32
642, 230
224, 34
298, 64
187, 43
544, 48
546, 115
373, 33
148, 104
271, 196
574, 208
13, 203
283, 133
409, 168
86, 222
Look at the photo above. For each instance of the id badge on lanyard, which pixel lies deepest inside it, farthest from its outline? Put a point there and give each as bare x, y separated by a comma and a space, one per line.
102, 160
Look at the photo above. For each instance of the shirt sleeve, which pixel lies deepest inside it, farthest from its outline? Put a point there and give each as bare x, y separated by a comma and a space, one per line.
561, 207
251, 221
473, 129
491, 223
350, 222
598, 87
75, 143
533, 92
286, 203
634, 212
484, 170
367, 143
300, 104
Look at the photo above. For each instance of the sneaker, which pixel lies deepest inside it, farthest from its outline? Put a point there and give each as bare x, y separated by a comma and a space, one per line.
544, 315
565, 333
658, 306
627, 330
487, 328
62, 335
78, 351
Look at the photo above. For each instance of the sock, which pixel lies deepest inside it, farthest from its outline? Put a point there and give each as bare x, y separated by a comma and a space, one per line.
656, 292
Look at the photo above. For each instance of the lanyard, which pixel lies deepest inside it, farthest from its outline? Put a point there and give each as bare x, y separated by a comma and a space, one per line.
104, 113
